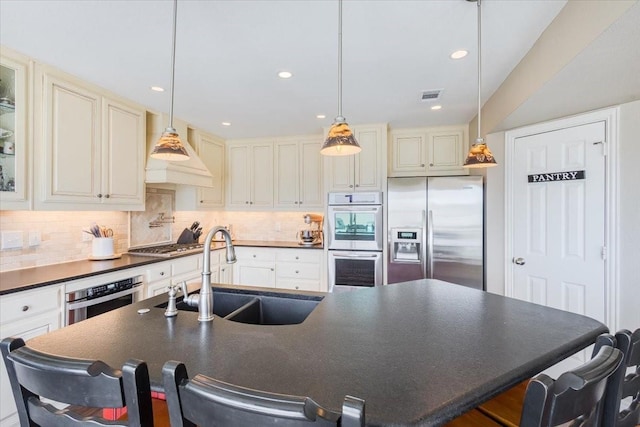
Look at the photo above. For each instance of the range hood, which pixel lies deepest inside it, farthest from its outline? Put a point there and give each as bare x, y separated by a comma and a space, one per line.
188, 172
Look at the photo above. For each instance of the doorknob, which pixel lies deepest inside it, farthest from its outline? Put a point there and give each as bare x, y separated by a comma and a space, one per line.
518, 261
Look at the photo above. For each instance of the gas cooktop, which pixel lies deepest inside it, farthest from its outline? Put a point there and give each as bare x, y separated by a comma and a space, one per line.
168, 250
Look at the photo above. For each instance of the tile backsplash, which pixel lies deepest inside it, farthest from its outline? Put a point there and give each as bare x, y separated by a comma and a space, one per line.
62, 238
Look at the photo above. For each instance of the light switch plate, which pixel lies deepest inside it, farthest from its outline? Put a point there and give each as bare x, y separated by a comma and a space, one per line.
11, 240
34, 238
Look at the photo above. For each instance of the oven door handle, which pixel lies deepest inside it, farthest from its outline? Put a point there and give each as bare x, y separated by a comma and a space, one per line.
88, 302
355, 209
356, 256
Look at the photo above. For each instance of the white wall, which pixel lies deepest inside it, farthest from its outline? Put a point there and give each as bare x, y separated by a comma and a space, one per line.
629, 216
628, 262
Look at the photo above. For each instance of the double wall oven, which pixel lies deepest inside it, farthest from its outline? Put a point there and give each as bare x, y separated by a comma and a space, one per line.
355, 239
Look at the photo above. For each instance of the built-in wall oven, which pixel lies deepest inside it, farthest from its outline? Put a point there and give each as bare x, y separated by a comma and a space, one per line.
352, 270
91, 301
355, 240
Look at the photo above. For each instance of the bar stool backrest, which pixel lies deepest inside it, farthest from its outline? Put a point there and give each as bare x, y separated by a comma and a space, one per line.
575, 396
206, 401
624, 385
78, 382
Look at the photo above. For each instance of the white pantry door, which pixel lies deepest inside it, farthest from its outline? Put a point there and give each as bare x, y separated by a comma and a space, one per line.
559, 220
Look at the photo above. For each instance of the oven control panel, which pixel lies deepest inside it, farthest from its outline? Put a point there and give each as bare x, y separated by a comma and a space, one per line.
111, 288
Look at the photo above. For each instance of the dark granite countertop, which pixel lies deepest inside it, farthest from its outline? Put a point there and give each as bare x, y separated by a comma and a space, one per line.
29, 278
419, 353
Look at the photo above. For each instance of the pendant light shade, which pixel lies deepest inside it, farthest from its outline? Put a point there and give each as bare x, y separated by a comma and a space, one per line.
340, 140
479, 155
169, 146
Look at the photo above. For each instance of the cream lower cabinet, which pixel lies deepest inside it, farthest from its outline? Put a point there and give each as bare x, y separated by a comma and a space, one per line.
428, 151
89, 146
250, 175
298, 174
365, 171
298, 269
161, 275
26, 315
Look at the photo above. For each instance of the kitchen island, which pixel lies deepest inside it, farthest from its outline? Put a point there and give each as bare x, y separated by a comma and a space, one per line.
419, 353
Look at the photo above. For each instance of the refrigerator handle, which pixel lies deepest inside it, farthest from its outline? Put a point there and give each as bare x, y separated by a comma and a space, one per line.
430, 245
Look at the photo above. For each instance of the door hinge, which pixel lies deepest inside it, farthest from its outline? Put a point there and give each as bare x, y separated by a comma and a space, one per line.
603, 252
604, 146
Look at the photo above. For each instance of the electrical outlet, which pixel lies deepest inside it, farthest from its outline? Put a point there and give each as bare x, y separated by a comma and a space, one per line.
34, 238
11, 240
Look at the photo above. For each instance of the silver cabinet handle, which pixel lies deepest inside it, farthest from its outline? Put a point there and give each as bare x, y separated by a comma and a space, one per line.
25, 307
297, 272
350, 186
295, 203
99, 196
246, 202
106, 196
430, 244
519, 261
421, 165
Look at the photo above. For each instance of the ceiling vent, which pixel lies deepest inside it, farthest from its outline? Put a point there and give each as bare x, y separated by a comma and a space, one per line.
430, 95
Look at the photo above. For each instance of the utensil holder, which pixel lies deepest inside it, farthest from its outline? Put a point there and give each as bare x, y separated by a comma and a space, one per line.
102, 246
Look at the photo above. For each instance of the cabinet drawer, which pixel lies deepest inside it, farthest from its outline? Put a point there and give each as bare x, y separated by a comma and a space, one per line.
298, 270
299, 285
186, 265
247, 254
24, 304
304, 255
159, 272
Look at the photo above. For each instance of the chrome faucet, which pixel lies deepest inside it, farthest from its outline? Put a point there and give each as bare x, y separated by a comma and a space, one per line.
204, 300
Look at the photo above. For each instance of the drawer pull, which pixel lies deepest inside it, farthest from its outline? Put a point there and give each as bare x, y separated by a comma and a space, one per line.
297, 287
297, 258
297, 272
162, 273
25, 307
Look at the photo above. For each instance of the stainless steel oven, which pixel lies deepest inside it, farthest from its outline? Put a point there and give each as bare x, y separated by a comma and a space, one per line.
355, 221
89, 302
352, 270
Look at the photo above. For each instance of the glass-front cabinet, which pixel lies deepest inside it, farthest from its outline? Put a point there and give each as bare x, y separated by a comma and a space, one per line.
14, 138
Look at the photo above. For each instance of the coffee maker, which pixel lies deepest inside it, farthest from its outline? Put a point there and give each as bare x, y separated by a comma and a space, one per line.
313, 235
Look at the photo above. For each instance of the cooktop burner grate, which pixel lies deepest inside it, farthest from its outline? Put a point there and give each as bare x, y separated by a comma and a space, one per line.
167, 250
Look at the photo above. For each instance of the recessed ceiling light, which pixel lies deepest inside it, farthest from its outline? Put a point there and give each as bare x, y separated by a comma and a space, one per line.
226, 123
436, 107
285, 74
157, 89
459, 54
320, 116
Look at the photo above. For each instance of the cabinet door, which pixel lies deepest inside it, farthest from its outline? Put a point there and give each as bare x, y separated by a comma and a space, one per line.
26, 328
261, 175
211, 152
340, 173
408, 155
310, 166
287, 175
70, 137
238, 175
369, 168
226, 274
446, 151
15, 176
123, 151
157, 288
255, 274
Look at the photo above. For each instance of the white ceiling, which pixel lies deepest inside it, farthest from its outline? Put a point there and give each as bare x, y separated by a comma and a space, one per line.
229, 52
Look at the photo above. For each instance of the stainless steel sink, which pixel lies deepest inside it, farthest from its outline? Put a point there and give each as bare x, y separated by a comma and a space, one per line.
257, 309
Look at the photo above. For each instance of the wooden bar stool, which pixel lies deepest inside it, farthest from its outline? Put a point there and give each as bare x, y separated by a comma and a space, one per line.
205, 401
76, 382
625, 385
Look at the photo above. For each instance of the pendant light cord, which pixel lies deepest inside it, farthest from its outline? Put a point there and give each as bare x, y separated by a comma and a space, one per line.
339, 58
173, 60
479, 135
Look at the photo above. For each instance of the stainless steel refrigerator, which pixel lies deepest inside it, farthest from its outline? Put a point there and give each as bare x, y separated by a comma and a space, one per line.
435, 229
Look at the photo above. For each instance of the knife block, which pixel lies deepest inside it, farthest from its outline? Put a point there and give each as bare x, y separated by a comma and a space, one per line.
187, 237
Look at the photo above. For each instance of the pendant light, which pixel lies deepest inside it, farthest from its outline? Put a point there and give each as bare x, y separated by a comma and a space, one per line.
340, 141
479, 155
169, 146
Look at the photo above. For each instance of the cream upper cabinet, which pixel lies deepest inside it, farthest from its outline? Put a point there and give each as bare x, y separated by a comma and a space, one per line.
428, 151
90, 146
250, 175
15, 139
365, 171
298, 173
211, 151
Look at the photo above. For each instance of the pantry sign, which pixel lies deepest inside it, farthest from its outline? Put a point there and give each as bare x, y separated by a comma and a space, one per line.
556, 176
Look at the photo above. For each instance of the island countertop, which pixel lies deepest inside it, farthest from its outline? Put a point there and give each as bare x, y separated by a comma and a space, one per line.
418, 353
